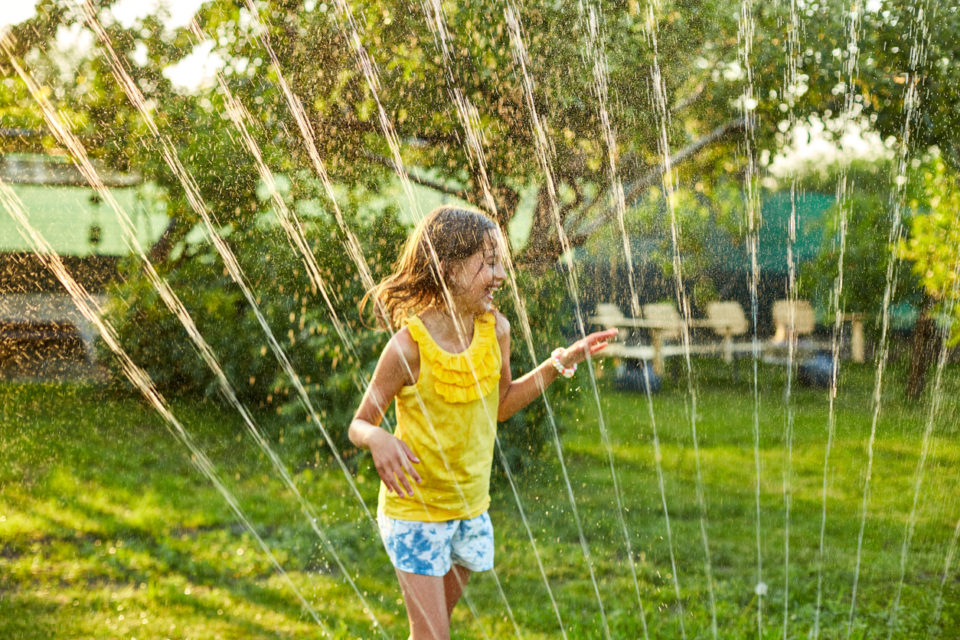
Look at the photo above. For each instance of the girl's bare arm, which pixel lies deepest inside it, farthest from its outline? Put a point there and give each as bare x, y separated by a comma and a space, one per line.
399, 365
517, 394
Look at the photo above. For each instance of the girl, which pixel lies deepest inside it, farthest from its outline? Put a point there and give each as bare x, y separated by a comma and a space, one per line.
448, 369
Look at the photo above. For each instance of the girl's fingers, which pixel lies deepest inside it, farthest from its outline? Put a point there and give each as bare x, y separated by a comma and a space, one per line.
598, 347
390, 480
397, 482
410, 471
408, 452
392, 485
394, 470
409, 458
406, 483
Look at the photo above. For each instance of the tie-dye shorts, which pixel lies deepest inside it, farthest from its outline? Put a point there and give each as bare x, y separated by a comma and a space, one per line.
431, 548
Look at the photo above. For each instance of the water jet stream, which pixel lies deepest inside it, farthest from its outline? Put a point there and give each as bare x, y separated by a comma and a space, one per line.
753, 214
836, 339
911, 100
790, 81
511, 15
947, 563
61, 131
851, 70
544, 155
668, 180
591, 17
936, 399
138, 377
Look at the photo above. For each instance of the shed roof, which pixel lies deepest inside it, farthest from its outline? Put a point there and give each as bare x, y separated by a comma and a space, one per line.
69, 213
42, 169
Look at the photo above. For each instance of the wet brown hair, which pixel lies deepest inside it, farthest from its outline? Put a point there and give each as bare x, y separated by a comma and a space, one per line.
443, 237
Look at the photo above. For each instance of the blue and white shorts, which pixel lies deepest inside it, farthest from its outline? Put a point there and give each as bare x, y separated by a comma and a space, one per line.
431, 548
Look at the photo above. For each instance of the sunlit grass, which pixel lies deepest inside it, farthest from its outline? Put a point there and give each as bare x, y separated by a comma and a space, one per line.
107, 530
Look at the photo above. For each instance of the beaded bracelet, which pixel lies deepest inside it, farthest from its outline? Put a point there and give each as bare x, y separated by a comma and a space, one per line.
566, 372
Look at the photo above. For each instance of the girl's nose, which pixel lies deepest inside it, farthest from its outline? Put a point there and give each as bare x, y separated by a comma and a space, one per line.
499, 272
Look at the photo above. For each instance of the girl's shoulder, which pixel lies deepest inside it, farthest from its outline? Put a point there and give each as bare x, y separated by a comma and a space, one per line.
501, 325
403, 347
403, 340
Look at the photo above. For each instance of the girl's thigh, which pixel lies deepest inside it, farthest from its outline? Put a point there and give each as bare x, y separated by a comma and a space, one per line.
426, 600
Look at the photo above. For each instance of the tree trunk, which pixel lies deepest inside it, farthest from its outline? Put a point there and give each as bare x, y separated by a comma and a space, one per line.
925, 344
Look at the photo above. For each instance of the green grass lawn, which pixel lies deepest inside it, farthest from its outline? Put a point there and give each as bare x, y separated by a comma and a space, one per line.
108, 531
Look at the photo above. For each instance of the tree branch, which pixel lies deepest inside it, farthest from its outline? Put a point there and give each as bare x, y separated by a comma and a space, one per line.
655, 175
690, 99
586, 209
419, 178
565, 209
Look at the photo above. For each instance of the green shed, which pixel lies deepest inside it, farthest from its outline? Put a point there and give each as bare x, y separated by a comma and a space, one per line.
38, 321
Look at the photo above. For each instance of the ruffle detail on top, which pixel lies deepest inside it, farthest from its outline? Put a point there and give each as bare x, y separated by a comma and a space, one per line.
466, 376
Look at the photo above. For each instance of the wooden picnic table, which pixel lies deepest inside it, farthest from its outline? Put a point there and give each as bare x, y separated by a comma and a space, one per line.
657, 350
726, 328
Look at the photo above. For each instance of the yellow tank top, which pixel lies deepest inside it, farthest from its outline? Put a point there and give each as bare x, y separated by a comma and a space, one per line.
448, 418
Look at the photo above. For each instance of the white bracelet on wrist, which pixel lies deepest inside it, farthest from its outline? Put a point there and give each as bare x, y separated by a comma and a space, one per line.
566, 372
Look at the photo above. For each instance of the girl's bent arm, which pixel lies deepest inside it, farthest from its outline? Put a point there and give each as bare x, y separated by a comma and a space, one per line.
517, 394
399, 365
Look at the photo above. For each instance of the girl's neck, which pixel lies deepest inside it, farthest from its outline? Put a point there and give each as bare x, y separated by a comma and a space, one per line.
452, 323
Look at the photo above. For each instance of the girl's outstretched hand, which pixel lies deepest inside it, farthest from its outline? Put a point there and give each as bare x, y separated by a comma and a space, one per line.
596, 341
394, 461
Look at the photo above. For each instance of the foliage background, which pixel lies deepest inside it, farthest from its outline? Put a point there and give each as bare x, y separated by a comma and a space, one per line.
698, 58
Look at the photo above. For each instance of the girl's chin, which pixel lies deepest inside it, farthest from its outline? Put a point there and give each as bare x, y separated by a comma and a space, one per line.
484, 306
478, 306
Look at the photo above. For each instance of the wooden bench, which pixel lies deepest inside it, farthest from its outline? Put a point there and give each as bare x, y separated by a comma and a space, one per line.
796, 319
665, 327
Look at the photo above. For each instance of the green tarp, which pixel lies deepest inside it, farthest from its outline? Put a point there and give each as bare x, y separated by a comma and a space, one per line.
774, 234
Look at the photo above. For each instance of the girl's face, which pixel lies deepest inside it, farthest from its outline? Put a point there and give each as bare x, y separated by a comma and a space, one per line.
475, 278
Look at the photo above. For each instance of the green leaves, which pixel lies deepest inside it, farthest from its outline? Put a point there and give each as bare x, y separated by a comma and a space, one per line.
933, 245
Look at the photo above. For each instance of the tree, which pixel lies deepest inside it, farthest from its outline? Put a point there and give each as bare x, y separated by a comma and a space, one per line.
314, 55
933, 248
699, 57
695, 51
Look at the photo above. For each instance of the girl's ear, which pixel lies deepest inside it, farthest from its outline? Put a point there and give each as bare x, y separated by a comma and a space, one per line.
444, 272
449, 272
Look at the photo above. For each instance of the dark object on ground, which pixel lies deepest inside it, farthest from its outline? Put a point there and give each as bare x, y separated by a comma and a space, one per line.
631, 377
816, 370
